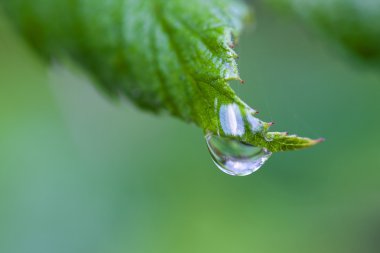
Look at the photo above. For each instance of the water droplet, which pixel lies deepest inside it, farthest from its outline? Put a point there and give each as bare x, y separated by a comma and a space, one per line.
234, 157
231, 120
230, 71
255, 124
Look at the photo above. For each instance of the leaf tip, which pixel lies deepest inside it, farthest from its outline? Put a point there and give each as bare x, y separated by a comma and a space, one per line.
319, 140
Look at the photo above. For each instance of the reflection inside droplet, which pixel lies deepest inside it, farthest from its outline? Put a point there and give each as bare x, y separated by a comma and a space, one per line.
234, 157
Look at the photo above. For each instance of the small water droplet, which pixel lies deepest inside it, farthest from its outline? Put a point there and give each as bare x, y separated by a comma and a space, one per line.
254, 123
230, 71
234, 157
231, 120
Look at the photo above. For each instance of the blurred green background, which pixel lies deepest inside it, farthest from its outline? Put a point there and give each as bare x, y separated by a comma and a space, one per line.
82, 173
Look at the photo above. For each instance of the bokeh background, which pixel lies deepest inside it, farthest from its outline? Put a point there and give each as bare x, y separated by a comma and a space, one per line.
82, 173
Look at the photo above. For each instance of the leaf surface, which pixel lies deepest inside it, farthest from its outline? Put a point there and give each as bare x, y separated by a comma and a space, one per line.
172, 56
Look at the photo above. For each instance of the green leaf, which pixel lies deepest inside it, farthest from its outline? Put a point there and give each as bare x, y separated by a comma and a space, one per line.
353, 24
166, 56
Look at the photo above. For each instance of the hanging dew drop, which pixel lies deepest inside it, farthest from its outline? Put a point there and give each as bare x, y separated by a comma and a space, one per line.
231, 155
234, 157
